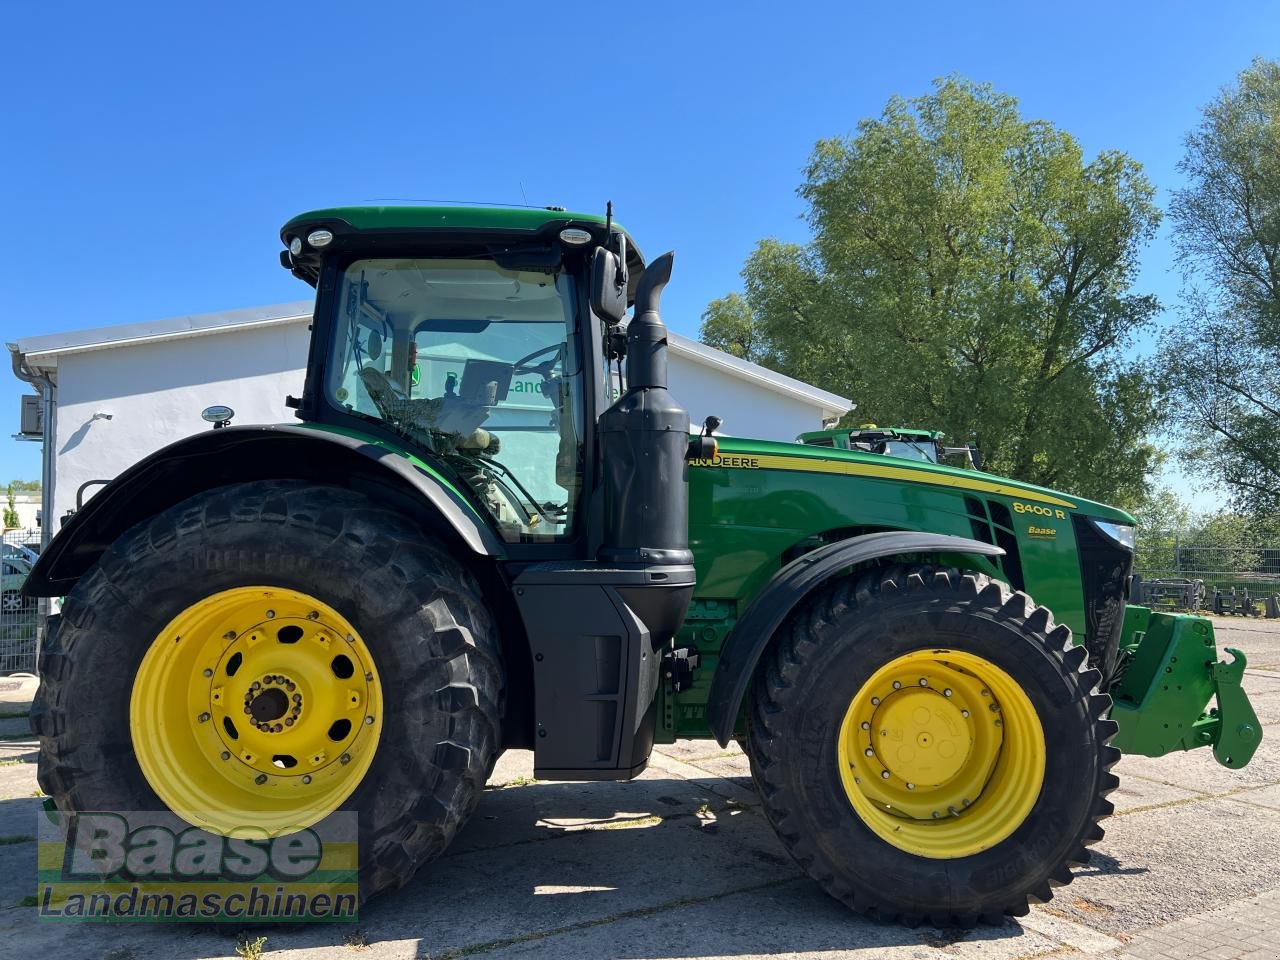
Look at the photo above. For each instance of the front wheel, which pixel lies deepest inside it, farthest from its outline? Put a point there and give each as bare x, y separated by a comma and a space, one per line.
931, 746
259, 657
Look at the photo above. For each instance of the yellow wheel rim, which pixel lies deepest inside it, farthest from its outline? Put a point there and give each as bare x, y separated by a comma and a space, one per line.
256, 711
942, 753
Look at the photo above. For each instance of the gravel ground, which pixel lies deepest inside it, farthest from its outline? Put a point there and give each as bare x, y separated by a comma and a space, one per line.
680, 863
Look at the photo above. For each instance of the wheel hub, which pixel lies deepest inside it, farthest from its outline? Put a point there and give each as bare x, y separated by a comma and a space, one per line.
922, 739
270, 700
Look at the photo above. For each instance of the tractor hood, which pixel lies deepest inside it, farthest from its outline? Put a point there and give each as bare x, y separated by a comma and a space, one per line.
770, 455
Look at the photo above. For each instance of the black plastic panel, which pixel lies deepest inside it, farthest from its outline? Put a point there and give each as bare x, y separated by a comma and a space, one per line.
1104, 573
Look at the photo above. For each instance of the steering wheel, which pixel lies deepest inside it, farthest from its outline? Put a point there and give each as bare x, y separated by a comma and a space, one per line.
523, 365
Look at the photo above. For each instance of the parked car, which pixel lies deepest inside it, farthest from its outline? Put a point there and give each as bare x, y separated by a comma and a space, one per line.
23, 551
13, 574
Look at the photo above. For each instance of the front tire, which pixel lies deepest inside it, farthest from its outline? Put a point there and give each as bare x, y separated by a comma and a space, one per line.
930, 746
284, 589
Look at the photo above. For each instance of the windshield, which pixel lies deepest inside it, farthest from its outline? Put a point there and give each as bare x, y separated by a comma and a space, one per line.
921, 449
477, 365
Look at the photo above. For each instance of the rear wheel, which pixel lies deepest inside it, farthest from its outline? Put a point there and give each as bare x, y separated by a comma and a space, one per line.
931, 746
261, 656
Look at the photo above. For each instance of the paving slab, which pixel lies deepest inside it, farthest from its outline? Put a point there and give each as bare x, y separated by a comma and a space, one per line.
1159, 865
1135, 793
1198, 771
18, 778
761, 922
1249, 930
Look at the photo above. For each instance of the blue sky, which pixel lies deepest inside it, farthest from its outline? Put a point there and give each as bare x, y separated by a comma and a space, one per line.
151, 152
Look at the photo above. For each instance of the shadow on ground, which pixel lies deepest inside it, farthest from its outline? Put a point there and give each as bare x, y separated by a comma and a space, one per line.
658, 867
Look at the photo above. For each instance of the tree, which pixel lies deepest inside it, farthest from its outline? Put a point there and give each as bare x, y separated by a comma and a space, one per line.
969, 271
11, 520
1221, 362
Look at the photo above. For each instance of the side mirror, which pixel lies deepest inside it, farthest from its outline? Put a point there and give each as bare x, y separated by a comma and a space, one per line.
608, 286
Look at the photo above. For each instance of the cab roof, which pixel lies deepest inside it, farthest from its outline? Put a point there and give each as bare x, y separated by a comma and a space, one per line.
533, 223
463, 217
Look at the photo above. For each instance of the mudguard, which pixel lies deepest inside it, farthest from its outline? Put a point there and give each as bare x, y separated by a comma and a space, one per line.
242, 455
788, 588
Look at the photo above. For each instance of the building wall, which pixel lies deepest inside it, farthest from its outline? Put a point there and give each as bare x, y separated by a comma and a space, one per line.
154, 393
746, 409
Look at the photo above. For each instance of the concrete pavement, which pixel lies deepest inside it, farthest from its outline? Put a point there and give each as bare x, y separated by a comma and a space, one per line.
681, 864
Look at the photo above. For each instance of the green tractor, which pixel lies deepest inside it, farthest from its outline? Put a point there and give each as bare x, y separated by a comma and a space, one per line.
473, 541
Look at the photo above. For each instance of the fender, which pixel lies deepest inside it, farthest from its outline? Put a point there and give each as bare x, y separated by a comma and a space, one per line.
244, 454
788, 588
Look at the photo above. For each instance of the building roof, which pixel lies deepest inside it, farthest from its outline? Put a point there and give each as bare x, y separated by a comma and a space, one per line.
43, 351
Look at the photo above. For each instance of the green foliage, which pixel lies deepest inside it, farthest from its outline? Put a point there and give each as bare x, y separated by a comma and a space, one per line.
1221, 362
25, 486
969, 271
1162, 516
11, 519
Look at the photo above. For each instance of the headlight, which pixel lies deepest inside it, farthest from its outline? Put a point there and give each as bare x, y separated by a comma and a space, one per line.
1122, 533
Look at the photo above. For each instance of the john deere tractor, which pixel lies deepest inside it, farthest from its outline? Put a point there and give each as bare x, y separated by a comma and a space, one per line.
491, 527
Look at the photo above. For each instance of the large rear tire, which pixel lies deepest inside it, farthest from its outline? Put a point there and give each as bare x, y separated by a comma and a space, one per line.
930, 746
300, 589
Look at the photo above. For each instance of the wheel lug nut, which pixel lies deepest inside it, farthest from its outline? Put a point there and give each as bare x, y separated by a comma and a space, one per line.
229, 635
313, 615
875, 701
350, 638
368, 720
288, 721
897, 684
208, 672
869, 752
884, 774
993, 708
226, 754
953, 811
260, 779
345, 758
290, 686
964, 713
203, 718
866, 725
306, 778
924, 682
369, 675
936, 815
946, 692
271, 614
997, 723
911, 786
986, 693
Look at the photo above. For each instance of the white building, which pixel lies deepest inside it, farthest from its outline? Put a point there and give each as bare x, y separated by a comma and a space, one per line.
120, 393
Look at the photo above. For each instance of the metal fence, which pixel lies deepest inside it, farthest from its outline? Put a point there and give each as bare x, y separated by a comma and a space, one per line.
1232, 580
21, 623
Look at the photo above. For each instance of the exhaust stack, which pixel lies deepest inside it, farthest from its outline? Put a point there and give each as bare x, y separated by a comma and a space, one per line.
644, 437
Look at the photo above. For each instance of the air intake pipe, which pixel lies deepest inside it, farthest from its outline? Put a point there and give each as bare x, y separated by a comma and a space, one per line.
643, 439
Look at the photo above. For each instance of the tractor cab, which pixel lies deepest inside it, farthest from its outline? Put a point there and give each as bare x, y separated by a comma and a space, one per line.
466, 335
924, 446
